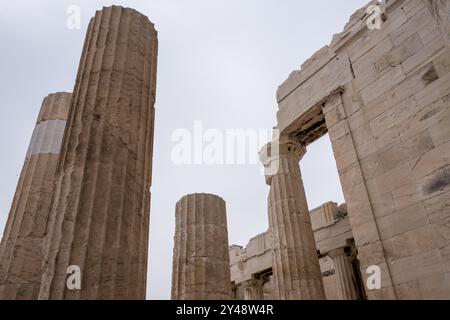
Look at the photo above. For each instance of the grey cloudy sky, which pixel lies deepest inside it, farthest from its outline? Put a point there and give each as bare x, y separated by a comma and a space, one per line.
220, 62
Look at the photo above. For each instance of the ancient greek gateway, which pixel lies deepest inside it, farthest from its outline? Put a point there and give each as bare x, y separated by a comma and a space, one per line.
78, 227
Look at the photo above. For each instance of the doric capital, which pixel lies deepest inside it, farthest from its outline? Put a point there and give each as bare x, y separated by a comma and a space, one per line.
283, 147
273, 152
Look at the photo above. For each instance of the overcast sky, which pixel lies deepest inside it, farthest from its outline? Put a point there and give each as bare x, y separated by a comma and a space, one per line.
220, 62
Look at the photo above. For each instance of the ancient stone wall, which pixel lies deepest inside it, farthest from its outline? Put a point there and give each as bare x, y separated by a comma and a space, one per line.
383, 96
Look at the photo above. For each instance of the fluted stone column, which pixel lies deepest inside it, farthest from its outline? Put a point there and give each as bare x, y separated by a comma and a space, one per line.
21, 249
441, 12
295, 261
253, 289
100, 207
201, 262
345, 277
329, 210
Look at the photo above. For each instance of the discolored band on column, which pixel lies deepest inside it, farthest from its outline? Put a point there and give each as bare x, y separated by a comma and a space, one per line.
99, 216
201, 262
21, 249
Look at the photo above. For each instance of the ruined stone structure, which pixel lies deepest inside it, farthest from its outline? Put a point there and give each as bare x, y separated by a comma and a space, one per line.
21, 249
383, 97
201, 265
99, 216
252, 267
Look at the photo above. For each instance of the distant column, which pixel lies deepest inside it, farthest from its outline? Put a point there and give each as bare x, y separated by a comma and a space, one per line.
201, 262
21, 249
345, 278
440, 10
295, 261
100, 207
253, 289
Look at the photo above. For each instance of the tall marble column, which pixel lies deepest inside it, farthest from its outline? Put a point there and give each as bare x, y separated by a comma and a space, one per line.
295, 261
21, 249
99, 215
201, 262
345, 277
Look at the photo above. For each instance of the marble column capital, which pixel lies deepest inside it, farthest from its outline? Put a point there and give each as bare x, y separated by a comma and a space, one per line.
274, 153
283, 147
